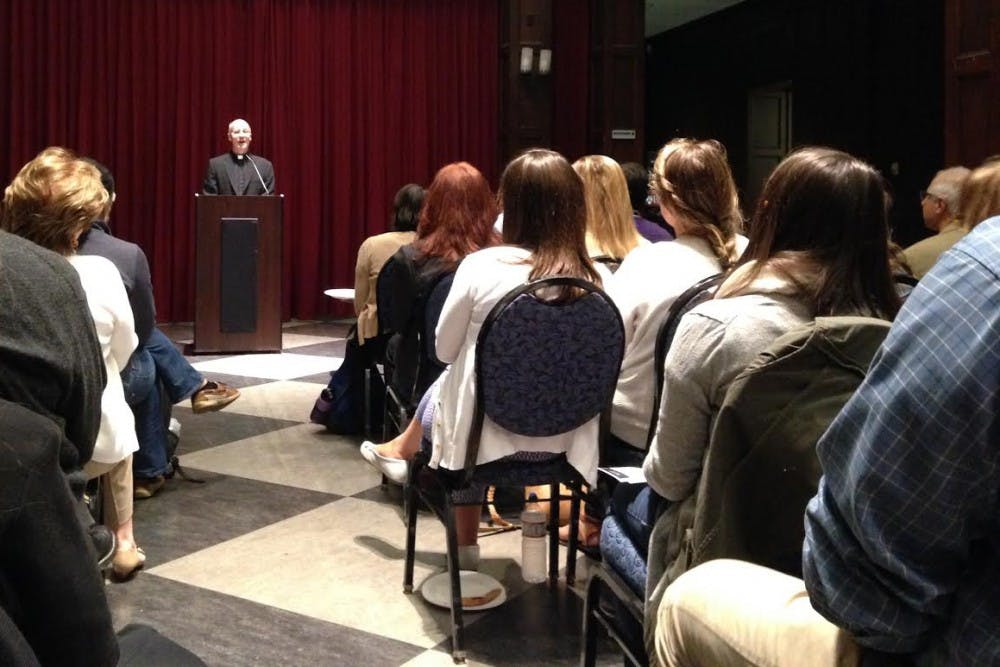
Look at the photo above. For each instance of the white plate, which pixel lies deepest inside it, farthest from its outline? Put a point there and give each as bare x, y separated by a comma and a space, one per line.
341, 294
437, 589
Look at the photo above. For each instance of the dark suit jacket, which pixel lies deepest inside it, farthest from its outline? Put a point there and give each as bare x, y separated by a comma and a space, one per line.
223, 171
131, 263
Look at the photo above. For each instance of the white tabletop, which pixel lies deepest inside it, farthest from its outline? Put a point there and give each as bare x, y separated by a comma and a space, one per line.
341, 294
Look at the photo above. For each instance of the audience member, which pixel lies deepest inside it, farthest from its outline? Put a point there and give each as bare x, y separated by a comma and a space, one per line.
156, 360
939, 206
818, 247
50, 359
611, 234
544, 231
695, 191
694, 188
53, 610
457, 220
980, 198
902, 550
49, 585
49, 354
52, 201
376, 250
644, 215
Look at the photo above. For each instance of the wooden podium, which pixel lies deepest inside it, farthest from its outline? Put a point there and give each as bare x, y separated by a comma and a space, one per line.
237, 303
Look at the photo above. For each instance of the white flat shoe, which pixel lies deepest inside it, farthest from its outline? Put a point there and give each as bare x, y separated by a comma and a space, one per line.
394, 469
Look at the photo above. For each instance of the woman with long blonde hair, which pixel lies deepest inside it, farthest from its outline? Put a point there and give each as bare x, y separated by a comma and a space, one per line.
611, 232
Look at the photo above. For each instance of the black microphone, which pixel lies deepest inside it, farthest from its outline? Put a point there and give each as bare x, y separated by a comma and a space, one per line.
258, 174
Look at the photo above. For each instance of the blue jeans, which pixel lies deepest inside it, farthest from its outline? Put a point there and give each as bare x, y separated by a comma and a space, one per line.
158, 361
172, 369
637, 507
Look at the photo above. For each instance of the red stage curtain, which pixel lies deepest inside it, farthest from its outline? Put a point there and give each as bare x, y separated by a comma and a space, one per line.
349, 100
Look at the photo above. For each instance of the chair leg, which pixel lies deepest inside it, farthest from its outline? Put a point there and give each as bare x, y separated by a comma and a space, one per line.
457, 621
553, 533
368, 403
574, 537
588, 650
410, 494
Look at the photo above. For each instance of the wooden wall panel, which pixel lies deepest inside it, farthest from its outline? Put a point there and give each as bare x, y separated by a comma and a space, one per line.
972, 80
526, 98
617, 78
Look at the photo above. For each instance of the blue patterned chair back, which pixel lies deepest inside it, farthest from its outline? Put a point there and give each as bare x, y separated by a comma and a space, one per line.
544, 366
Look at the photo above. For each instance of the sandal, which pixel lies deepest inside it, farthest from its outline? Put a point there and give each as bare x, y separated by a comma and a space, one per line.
128, 560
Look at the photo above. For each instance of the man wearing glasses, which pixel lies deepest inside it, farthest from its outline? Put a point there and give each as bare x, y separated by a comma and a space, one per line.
939, 205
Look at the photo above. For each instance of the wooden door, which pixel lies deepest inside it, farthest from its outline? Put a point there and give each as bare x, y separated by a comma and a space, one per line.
972, 81
769, 136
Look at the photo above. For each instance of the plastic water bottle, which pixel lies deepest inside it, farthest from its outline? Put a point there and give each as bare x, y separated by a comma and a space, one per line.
533, 547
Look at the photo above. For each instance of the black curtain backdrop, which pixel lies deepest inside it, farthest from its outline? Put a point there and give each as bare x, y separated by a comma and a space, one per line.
349, 100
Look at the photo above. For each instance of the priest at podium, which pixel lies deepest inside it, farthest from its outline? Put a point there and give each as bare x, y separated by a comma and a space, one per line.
237, 172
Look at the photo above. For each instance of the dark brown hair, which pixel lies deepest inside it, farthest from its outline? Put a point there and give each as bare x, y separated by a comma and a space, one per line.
458, 214
406, 207
821, 223
545, 213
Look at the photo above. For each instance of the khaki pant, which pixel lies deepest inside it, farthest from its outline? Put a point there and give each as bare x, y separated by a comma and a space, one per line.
117, 499
727, 613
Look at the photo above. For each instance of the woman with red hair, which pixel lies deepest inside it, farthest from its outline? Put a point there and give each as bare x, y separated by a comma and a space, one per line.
456, 220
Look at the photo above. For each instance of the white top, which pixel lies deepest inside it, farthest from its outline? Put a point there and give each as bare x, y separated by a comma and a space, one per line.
644, 288
115, 326
481, 280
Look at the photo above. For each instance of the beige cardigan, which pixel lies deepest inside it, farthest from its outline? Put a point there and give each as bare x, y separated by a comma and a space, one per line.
373, 253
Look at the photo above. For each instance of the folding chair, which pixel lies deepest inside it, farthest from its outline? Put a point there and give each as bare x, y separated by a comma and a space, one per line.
542, 368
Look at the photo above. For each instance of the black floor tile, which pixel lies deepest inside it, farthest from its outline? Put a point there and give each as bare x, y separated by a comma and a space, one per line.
543, 625
210, 429
238, 381
334, 348
185, 517
318, 378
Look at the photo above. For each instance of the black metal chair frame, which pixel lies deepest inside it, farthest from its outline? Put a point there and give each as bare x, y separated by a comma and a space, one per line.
434, 487
603, 576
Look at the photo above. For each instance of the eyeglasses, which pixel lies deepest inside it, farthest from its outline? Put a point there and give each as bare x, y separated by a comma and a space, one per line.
924, 195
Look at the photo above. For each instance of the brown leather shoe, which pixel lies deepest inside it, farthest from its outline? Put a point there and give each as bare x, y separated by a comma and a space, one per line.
147, 487
213, 396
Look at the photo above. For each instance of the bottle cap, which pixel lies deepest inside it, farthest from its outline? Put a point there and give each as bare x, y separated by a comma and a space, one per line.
533, 523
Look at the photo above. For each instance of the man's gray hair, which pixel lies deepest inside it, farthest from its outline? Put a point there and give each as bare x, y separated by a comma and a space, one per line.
947, 186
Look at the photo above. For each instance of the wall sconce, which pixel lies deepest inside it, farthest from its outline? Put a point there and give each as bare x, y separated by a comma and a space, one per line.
527, 59
544, 61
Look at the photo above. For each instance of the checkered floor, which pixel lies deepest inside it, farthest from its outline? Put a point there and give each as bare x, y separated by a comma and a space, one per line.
291, 553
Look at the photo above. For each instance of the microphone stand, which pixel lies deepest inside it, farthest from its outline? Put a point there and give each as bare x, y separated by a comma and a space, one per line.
258, 174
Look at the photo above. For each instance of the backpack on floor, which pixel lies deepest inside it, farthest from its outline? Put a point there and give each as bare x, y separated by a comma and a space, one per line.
341, 406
